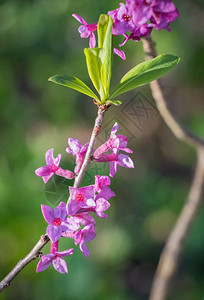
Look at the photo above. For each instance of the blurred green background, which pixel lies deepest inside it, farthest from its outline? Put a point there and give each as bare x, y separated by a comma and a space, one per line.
39, 39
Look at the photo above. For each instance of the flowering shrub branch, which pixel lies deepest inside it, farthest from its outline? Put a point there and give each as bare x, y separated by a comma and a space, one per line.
133, 20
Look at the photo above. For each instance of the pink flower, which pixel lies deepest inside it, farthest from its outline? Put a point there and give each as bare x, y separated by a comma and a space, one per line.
120, 53
83, 236
81, 198
87, 30
101, 182
77, 150
101, 187
55, 258
101, 205
115, 143
57, 220
164, 13
102, 194
52, 168
123, 19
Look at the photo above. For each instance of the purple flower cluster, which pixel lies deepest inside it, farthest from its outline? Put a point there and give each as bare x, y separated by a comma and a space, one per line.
75, 220
139, 17
134, 20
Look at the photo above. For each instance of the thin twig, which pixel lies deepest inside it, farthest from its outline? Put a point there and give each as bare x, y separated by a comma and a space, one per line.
34, 253
87, 159
170, 256
174, 125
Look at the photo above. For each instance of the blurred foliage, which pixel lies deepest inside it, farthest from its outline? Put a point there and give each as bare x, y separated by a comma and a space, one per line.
40, 39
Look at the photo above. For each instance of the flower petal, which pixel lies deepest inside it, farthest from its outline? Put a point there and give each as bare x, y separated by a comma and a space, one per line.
79, 162
90, 203
69, 234
60, 265
60, 211
64, 173
79, 19
44, 263
75, 145
120, 53
106, 193
84, 149
54, 232
56, 160
88, 233
48, 213
101, 182
72, 224
65, 253
113, 168
43, 171
84, 219
73, 207
47, 178
88, 191
78, 237
101, 206
125, 161
49, 156
114, 129
107, 157
84, 32
84, 248
92, 41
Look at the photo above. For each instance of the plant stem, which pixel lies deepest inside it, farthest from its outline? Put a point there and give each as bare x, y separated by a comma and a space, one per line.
95, 132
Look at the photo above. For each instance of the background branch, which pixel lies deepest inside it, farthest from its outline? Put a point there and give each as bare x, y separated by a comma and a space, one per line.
170, 256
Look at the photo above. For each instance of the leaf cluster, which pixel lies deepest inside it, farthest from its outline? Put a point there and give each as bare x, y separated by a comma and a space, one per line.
99, 66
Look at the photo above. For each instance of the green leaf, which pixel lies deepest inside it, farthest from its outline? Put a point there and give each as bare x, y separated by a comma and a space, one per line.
101, 29
145, 73
73, 83
114, 102
99, 60
106, 42
94, 63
